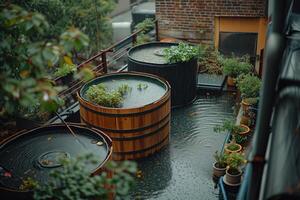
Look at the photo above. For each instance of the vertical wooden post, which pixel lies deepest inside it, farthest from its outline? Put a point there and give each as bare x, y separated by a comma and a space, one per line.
156, 30
103, 60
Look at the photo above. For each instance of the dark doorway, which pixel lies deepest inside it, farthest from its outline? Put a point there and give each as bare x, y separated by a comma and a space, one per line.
238, 44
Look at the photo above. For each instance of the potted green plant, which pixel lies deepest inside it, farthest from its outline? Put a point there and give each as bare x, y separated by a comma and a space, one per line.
144, 27
233, 172
66, 72
235, 131
249, 86
219, 167
233, 67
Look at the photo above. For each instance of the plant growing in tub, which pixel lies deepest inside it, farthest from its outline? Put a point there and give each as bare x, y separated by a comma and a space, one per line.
142, 86
219, 167
233, 172
235, 131
181, 53
100, 95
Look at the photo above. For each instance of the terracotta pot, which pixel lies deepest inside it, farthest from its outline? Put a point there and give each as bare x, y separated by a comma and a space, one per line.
230, 81
228, 151
245, 120
232, 179
247, 103
217, 171
245, 107
246, 131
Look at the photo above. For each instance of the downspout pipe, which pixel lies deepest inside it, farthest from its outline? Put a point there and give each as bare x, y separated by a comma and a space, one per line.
274, 51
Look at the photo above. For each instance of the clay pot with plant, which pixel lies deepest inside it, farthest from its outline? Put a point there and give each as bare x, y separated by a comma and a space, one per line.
233, 67
236, 132
233, 174
219, 167
249, 86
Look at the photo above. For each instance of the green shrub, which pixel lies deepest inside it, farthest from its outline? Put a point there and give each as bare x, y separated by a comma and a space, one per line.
241, 139
211, 61
221, 159
90, 16
230, 127
235, 161
65, 69
181, 53
249, 85
26, 59
145, 26
234, 66
73, 180
100, 95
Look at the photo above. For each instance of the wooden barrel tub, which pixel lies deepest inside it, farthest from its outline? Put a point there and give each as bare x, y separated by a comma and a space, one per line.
141, 126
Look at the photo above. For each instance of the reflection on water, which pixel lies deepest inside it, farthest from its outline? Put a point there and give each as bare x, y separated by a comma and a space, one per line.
183, 169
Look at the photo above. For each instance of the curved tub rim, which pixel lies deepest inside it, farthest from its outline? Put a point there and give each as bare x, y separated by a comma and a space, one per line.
107, 140
131, 109
156, 64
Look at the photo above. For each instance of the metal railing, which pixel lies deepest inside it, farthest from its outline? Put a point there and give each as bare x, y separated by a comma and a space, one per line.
100, 62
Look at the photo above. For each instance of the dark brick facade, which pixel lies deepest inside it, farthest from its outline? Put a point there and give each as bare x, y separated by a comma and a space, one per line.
194, 19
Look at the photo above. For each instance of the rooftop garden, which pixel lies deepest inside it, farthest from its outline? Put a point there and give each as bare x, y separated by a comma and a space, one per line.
58, 94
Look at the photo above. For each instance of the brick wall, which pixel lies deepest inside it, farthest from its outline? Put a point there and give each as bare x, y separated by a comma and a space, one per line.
194, 19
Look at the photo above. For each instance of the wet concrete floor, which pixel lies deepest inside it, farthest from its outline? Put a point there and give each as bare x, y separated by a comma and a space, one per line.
183, 169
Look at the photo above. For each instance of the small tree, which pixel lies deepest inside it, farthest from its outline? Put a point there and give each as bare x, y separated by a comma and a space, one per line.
24, 62
90, 16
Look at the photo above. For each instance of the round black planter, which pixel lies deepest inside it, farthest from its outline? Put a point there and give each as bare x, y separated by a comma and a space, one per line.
181, 76
35, 154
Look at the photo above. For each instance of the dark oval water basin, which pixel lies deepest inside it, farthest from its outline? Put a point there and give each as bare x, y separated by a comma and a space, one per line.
36, 153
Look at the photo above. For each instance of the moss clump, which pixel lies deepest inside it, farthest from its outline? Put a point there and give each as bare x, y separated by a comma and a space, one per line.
100, 95
142, 86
